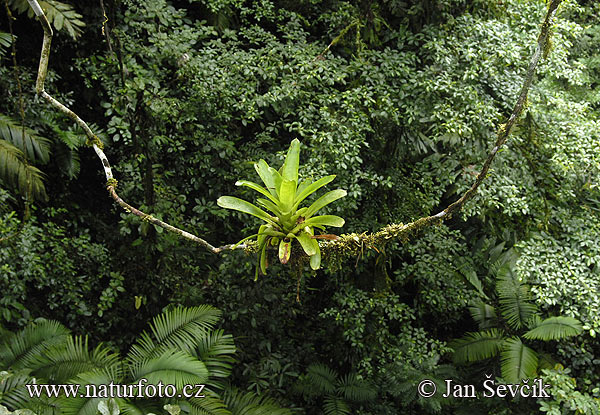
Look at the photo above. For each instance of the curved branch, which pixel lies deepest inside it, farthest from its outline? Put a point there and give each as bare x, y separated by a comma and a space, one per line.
354, 244
348, 244
94, 141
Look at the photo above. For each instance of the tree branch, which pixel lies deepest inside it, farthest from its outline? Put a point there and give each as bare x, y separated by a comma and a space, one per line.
95, 142
348, 244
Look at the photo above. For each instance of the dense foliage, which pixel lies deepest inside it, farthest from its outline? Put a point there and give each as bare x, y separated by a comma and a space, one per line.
400, 100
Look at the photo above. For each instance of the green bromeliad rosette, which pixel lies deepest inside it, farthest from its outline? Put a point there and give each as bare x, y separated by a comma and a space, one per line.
287, 221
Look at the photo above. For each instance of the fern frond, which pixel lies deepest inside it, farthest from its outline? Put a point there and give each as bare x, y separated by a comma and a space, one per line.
216, 350
483, 314
180, 328
31, 343
5, 42
12, 389
171, 367
35, 147
477, 346
209, 405
60, 15
354, 389
515, 299
93, 380
335, 406
249, 403
320, 378
554, 328
139, 406
15, 171
517, 361
72, 358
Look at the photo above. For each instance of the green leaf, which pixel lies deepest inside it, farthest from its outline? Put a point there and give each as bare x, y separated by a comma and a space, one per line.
517, 361
325, 220
483, 314
477, 346
292, 160
267, 204
303, 193
315, 260
287, 192
555, 328
261, 235
324, 200
309, 245
335, 406
277, 179
285, 251
257, 187
516, 303
264, 259
263, 170
230, 202
171, 367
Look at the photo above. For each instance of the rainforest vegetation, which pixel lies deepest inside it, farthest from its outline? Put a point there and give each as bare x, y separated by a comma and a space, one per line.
305, 155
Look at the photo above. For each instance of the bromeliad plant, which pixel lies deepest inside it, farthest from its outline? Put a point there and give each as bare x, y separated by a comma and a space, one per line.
287, 221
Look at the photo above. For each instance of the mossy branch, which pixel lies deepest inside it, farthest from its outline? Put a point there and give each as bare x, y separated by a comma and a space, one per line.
347, 245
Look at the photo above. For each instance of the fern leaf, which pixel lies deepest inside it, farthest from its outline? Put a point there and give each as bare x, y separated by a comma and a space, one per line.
171, 367
15, 171
30, 344
477, 346
209, 405
5, 42
250, 403
72, 358
483, 314
356, 390
94, 381
517, 361
34, 147
216, 350
12, 390
516, 303
322, 378
555, 328
335, 406
180, 328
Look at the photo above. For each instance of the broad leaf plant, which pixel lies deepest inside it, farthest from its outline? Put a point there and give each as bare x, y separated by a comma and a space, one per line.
287, 221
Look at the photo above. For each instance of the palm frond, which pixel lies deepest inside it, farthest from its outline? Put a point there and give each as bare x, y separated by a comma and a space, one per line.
72, 358
5, 42
209, 405
15, 171
354, 389
93, 383
477, 346
35, 147
180, 328
249, 403
31, 343
171, 367
517, 361
515, 299
216, 350
483, 314
334, 405
319, 379
12, 389
68, 160
139, 406
60, 15
554, 328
